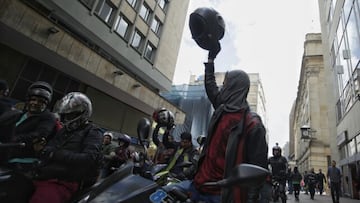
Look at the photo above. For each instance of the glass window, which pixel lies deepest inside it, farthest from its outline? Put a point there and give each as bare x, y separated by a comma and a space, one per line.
145, 12
137, 40
352, 147
122, 26
88, 3
150, 52
163, 4
156, 25
106, 11
353, 34
132, 3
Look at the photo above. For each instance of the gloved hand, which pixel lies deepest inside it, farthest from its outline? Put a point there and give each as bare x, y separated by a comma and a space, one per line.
47, 153
38, 143
215, 49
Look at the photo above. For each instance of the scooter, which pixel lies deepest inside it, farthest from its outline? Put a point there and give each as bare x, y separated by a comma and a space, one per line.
124, 186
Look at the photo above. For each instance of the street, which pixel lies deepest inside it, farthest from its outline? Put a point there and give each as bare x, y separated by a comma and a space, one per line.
323, 198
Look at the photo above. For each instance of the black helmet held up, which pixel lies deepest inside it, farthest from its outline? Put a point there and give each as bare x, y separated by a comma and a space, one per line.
163, 117
207, 27
40, 89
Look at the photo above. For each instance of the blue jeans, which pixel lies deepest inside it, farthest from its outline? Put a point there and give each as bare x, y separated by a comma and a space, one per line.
189, 187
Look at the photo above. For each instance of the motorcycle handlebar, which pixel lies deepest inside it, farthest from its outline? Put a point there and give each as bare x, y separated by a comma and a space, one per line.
7, 145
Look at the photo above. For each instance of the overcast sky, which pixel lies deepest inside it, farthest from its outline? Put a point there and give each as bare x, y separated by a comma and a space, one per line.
265, 37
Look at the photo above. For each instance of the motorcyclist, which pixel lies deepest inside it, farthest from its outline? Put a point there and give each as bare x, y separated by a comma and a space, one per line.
121, 154
72, 159
279, 165
167, 147
36, 125
108, 151
185, 153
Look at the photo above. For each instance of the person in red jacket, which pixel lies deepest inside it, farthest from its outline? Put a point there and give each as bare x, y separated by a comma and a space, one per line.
235, 135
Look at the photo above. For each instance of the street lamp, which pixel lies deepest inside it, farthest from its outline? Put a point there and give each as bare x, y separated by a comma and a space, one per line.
307, 132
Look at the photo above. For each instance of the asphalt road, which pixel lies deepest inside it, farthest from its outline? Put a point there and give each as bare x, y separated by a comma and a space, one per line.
318, 199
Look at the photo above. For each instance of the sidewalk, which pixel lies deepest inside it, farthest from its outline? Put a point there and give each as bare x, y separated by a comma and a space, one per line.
318, 199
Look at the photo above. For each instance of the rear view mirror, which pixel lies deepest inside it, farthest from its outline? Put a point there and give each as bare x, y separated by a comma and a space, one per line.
143, 130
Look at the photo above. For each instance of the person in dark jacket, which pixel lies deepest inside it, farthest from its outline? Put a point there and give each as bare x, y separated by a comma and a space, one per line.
235, 136
312, 182
166, 147
279, 165
185, 153
73, 157
36, 125
320, 179
296, 179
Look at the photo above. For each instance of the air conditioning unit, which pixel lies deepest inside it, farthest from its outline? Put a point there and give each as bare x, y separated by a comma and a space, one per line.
346, 54
339, 69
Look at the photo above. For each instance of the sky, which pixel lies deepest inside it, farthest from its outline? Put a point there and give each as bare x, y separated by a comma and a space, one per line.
265, 37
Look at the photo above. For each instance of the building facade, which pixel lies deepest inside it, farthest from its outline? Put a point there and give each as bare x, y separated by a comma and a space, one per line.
121, 53
312, 110
193, 100
340, 27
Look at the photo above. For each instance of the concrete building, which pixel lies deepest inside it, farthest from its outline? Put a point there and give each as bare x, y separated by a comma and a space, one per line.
193, 100
312, 110
340, 25
121, 53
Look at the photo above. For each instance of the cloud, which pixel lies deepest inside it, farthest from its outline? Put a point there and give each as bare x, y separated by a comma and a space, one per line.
264, 37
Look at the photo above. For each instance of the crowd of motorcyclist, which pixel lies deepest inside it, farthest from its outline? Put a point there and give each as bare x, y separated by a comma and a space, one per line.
75, 141
72, 152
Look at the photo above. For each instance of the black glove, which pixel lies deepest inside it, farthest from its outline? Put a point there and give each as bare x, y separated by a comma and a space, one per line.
47, 153
215, 49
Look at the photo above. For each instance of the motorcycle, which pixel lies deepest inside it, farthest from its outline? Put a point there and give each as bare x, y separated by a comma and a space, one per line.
278, 191
125, 186
15, 176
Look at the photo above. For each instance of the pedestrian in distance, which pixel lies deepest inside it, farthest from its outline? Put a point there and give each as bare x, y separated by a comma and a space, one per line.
296, 180
321, 179
334, 181
312, 182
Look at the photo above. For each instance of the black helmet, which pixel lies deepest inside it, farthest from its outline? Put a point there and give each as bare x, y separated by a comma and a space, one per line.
75, 109
207, 27
124, 138
276, 150
40, 89
163, 117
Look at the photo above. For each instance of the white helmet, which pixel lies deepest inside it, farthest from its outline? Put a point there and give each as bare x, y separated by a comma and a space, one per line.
75, 109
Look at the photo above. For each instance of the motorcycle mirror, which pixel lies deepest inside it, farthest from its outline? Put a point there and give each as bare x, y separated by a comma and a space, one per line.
243, 175
143, 130
185, 164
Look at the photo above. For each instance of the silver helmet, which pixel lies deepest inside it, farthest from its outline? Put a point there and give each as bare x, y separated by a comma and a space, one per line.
74, 109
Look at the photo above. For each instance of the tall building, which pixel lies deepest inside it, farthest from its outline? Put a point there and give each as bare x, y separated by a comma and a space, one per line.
312, 115
193, 100
121, 53
340, 25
